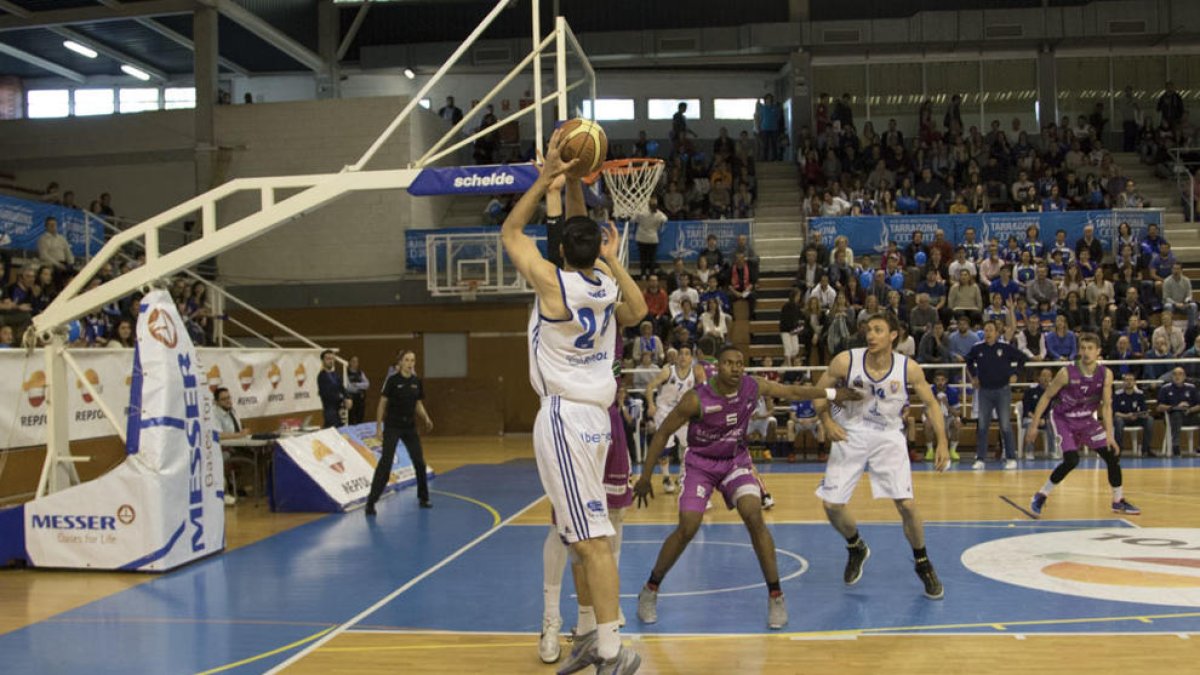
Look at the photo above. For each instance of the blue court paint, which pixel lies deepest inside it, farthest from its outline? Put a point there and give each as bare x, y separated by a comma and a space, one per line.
266, 595
293, 585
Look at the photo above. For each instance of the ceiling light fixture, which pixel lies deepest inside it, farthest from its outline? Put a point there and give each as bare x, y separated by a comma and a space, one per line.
408, 72
80, 49
135, 72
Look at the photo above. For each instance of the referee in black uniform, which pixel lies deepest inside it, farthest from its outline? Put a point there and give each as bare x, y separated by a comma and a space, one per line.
400, 406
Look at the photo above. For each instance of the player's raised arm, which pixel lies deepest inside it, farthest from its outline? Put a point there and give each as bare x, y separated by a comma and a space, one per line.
837, 371
1060, 380
632, 309
916, 379
795, 392
521, 249
688, 408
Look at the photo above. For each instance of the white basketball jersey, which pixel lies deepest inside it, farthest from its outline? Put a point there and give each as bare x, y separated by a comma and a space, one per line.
573, 357
672, 391
884, 400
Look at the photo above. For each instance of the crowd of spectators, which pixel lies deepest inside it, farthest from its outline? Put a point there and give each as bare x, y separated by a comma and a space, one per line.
949, 168
1039, 298
30, 281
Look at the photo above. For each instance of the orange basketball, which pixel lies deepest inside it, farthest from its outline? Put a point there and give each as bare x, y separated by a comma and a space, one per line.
585, 140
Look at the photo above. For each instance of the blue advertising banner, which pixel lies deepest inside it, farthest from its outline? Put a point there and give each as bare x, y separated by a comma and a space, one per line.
23, 221
487, 179
869, 235
677, 238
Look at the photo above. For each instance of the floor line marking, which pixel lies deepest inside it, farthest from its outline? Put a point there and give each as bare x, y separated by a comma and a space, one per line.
338, 630
1017, 507
273, 652
494, 512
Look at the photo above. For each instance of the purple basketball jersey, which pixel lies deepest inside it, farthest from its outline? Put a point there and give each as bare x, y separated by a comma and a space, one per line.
720, 431
1082, 394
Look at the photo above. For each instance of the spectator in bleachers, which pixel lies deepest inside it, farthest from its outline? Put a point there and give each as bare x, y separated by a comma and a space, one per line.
1089, 243
713, 291
790, 316
1061, 343
44, 289
1177, 294
1193, 352
935, 346
1169, 332
1129, 410
657, 304
923, 316
1031, 341
1042, 288
703, 273
962, 262
122, 335
450, 112
715, 321
1179, 402
21, 292
1073, 282
810, 271
965, 298
962, 340
685, 292
648, 343
1170, 106
742, 245
1162, 265
742, 281
1124, 352
688, 321
714, 255
53, 248
1130, 198
648, 226
1161, 351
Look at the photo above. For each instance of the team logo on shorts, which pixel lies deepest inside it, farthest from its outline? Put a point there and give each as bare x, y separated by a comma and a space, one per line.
596, 507
1158, 566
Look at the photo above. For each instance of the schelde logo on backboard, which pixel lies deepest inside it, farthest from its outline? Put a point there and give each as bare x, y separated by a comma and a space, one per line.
503, 178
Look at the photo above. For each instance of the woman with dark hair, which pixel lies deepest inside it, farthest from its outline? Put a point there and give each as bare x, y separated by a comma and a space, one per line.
44, 289
356, 387
122, 336
400, 407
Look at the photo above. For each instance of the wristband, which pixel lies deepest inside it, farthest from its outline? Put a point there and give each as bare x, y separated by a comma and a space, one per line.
830, 394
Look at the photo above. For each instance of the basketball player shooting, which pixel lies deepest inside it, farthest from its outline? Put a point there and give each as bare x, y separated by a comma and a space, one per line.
717, 413
870, 433
571, 334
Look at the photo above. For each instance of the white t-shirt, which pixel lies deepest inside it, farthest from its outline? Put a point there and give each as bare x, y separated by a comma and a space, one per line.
648, 225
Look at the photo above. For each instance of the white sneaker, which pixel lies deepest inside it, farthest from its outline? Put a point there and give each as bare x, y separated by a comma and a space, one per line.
668, 486
230, 500
1010, 465
768, 502
620, 618
549, 647
979, 465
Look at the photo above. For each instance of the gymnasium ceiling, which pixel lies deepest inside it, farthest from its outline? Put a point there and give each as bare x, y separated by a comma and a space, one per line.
273, 36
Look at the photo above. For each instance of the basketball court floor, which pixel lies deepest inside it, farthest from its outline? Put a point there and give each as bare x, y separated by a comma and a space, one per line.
458, 588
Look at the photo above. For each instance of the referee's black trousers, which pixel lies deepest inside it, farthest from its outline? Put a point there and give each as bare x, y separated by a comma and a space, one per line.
383, 469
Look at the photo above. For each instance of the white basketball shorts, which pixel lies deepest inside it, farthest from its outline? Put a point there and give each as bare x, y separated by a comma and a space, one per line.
883, 453
570, 443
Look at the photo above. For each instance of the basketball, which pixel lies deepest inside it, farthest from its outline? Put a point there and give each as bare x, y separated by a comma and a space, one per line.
585, 140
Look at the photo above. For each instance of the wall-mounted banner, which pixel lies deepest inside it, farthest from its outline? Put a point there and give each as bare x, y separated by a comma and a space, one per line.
262, 383
869, 235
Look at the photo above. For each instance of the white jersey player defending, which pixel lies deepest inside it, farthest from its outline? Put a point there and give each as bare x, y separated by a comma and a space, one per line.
870, 434
671, 383
571, 334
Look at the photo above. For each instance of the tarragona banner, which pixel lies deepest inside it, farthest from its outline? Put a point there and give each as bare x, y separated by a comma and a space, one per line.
261, 382
870, 235
162, 506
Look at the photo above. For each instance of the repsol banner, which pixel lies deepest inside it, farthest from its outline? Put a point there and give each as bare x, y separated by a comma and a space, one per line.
162, 507
682, 239
23, 221
262, 382
487, 179
869, 235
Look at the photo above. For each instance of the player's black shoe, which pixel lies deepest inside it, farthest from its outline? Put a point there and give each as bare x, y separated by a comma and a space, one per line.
933, 585
859, 554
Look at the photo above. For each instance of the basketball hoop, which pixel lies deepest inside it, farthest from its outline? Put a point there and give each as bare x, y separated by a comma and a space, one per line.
470, 290
630, 182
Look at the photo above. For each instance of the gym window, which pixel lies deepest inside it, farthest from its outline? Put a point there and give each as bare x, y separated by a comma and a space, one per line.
138, 99
179, 98
610, 109
665, 108
733, 108
45, 103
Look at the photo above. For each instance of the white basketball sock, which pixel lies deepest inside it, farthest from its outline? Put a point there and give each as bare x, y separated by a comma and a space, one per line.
554, 563
1048, 488
1118, 494
608, 640
617, 518
586, 621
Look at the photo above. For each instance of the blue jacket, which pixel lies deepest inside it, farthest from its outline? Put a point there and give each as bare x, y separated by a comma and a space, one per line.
994, 364
1061, 347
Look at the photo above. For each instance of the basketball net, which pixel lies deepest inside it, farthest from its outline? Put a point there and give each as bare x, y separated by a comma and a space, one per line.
470, 290
631, 182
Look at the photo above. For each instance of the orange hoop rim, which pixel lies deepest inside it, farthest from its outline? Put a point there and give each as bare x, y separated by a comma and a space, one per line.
623, 166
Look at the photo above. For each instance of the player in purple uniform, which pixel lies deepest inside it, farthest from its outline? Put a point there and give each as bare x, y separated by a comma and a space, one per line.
1083, 390
718, 413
